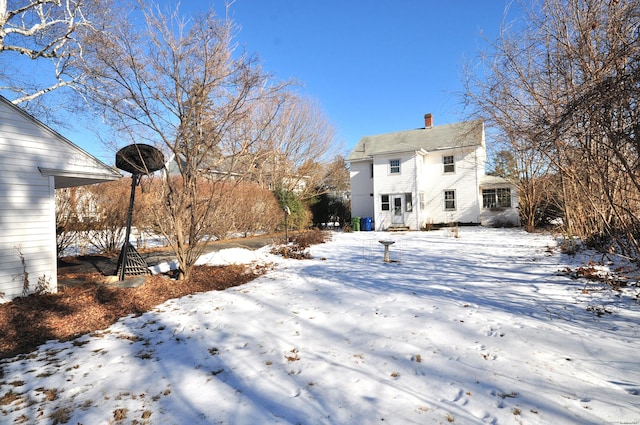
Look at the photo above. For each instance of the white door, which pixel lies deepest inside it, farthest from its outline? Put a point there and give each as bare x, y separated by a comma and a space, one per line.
398, 217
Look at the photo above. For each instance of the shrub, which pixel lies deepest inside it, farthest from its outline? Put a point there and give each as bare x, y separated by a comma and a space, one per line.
310, 237
300, 216
295, 252
300, 242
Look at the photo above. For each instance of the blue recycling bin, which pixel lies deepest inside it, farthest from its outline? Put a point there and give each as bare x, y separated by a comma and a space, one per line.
366, 224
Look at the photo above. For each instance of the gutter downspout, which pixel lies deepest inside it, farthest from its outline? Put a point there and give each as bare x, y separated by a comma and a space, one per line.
478, 192
415, 200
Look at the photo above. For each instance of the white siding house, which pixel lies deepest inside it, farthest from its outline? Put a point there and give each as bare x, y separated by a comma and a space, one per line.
431, 175
35, 160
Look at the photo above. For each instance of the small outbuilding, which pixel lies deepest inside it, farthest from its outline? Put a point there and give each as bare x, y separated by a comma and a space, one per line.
34, 161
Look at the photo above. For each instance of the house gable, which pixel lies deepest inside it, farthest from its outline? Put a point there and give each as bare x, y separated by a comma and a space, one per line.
27, 141
35, 160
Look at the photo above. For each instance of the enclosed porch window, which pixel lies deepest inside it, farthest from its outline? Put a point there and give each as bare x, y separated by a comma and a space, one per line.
496, 198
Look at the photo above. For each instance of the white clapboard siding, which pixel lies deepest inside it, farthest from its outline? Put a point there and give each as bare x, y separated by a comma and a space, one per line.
464, 181
34, 160
361, 189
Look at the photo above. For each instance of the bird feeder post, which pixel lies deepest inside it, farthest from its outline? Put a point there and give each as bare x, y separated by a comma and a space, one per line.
287, 213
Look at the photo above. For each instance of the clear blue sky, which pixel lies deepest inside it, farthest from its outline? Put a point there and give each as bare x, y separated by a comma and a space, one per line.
374, 66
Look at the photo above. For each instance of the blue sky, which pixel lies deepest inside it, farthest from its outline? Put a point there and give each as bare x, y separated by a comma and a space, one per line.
374, 66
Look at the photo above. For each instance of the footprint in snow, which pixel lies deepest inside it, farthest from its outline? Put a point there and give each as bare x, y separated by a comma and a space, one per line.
495, 332
461, 398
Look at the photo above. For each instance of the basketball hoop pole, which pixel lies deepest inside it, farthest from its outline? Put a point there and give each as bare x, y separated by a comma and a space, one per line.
135, 180
137, 159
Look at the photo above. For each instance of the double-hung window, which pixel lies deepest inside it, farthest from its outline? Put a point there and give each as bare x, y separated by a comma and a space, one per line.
394, 166
449, 200
448, 165
384, 202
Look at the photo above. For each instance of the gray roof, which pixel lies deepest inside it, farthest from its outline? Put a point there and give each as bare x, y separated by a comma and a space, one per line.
488, 180
447, 136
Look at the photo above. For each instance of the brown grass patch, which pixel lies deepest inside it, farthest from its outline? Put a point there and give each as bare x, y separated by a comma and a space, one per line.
9, 397
27, 322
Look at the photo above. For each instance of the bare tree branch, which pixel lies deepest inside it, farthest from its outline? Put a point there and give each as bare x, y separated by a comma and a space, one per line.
566, 88
48, 32
181, 85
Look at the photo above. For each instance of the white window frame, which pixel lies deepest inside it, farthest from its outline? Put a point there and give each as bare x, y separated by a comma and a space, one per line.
384, 203
394, 166
499, 197
448, 164
448, 200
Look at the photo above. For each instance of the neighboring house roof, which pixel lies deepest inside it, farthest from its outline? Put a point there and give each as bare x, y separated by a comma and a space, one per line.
80, 167
172, 167
447, 136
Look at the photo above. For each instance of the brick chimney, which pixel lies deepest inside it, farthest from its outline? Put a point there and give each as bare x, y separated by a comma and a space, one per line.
428, 120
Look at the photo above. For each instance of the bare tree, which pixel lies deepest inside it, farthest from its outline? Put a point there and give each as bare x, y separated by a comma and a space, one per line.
67, 219
508, 90
563, 84
51, 33
103, 219
291, 150
332, 203
337, 177
88, 215
180, 85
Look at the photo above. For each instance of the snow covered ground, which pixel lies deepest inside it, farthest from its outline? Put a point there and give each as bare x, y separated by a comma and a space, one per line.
471, 330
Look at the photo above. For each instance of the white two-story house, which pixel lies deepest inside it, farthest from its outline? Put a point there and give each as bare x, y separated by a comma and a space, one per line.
432, 175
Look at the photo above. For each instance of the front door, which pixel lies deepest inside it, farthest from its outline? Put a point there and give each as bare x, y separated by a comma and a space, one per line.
398, 217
